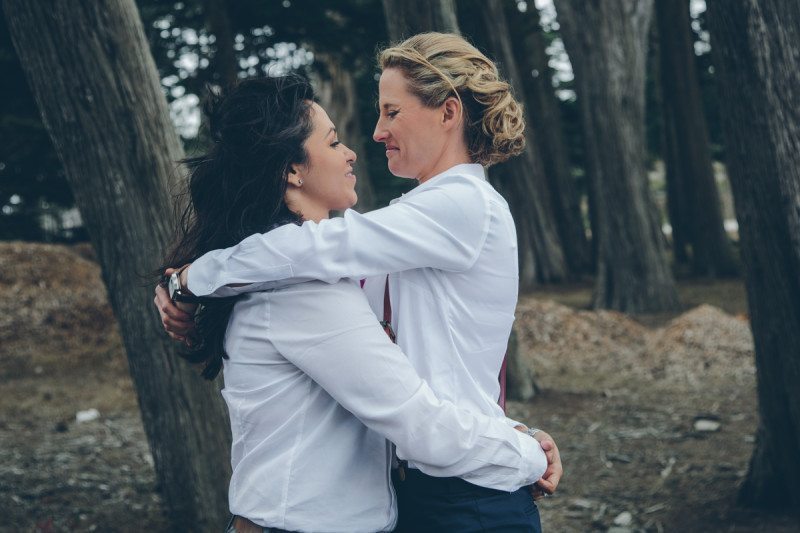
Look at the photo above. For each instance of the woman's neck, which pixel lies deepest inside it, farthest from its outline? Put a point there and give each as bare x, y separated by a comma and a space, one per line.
308, 211
456, 155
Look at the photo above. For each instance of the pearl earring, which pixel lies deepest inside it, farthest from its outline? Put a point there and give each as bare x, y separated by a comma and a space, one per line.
299, 183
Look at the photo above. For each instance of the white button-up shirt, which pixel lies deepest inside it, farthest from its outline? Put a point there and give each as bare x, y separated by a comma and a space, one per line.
307, 365
450, 245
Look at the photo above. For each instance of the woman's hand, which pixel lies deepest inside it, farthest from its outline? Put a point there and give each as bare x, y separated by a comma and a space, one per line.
176, 319
548, 484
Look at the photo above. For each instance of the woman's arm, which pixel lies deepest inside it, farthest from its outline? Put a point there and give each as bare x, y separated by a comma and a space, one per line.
443, 226
329, 332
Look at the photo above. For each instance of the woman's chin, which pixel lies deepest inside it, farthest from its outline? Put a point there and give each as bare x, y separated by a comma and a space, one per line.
400, 172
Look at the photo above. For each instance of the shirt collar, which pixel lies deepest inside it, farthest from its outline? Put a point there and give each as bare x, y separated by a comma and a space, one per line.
465, 169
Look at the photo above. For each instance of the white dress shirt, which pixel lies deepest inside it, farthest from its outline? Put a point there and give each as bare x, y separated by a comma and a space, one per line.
451, 248
303, 360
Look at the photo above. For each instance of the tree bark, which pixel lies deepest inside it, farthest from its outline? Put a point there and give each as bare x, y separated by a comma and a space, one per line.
405, 18
542, 257
337, 91
544, 118
756, 47
219, 24
692, 195
96, 85
607, 43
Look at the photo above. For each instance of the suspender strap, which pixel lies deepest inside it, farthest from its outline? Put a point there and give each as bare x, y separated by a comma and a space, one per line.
502, 378
387, 313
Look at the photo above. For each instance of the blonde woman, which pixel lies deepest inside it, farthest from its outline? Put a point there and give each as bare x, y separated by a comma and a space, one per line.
449, 247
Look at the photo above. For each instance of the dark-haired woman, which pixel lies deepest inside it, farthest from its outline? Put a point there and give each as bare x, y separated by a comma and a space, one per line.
312, 383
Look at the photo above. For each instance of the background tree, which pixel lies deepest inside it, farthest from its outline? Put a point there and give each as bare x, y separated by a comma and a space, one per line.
607, 43
31, 177
692, 195
218, 20
404, 18
522, 179
756, 46
544, 116
96, 85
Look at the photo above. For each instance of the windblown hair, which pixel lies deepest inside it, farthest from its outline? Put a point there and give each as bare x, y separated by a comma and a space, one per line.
440, 65
258, 128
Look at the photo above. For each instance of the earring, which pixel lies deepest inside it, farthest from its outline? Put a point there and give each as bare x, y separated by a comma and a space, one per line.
300, 183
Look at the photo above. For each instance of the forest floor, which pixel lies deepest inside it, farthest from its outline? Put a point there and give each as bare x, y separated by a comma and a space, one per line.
654, 415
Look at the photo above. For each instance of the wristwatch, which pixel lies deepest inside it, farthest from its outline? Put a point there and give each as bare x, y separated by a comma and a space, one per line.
178, 294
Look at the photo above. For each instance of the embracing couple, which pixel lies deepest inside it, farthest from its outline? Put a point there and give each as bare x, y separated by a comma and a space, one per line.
335, 426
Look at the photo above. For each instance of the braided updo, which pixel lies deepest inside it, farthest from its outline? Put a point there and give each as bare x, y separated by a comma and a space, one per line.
440, 65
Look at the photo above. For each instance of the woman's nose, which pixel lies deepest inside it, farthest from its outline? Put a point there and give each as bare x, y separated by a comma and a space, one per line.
379, 135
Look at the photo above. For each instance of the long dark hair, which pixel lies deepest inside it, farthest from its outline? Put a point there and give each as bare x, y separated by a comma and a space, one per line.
258, 128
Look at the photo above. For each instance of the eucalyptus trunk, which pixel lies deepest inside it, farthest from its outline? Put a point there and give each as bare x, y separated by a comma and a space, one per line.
756, 47
607, 44
405, 18
96, 85
542, 257
218, 21
692, 192
544, 119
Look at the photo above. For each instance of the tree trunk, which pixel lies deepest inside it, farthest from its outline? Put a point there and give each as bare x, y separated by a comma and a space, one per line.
693, 196
521, 379
524, 176
544, 118
219, 24
404, 18
337, 91
756, 47
96, 85
607, 43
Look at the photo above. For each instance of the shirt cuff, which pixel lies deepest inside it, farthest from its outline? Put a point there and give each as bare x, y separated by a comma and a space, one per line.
534, 461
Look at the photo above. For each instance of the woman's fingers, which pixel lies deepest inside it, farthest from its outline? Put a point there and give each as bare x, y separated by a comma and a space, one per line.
178, 323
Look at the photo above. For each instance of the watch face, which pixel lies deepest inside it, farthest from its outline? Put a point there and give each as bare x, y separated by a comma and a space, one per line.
174, 285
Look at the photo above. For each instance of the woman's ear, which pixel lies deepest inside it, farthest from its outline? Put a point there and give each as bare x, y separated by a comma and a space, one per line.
294, 177
451, 115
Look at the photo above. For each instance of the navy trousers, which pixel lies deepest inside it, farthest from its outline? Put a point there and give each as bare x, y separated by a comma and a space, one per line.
428, 503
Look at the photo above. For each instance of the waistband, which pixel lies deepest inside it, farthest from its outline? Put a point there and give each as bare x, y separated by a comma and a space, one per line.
411, 479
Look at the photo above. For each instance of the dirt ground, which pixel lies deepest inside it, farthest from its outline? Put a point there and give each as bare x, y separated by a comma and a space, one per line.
654, 416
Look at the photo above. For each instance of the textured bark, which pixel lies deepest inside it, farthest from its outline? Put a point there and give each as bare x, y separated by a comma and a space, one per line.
607, 43
541, 254
544, 118
96, 85
404, 18
756, 47
336, 87
219, 23
692, 191
520, 377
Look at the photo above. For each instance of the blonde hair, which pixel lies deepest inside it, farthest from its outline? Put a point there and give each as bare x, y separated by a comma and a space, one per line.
438, 66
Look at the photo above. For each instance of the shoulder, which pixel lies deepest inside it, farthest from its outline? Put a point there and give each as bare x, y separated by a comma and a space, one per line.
317, 300
310, 313
460, 194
